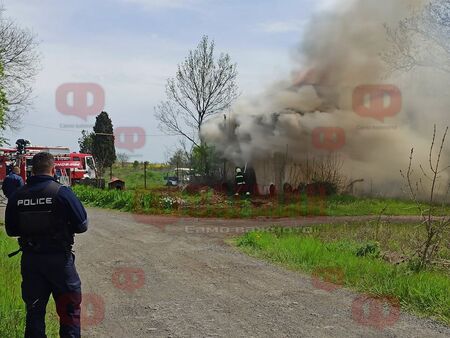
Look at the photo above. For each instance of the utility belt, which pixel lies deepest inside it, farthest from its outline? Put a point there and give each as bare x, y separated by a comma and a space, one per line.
43, 245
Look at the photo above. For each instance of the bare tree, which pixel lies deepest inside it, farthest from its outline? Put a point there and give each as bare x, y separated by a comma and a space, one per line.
202, 87
421, 40
20, 61
327, 168
179, 159
435, 224
122, 158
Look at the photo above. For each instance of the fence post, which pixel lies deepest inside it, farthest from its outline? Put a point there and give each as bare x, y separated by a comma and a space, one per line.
145, 175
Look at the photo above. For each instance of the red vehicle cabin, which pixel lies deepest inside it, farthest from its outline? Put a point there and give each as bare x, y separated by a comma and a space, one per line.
70, 168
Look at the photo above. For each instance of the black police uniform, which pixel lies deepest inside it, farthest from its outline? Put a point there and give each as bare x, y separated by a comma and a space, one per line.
45, 216
11, 183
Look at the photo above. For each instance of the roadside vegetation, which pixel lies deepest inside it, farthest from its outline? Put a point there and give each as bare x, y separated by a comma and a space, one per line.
12, 308
208, 203
373, 258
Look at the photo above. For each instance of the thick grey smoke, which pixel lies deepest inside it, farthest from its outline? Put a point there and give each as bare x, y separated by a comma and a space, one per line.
342, 50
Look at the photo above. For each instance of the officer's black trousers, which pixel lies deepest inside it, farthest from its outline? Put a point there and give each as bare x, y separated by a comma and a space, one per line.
45, 274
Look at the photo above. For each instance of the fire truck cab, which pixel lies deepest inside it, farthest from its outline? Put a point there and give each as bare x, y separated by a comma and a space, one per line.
75, 166
70, 168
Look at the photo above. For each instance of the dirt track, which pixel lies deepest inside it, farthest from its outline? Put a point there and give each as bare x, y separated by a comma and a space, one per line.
188, 283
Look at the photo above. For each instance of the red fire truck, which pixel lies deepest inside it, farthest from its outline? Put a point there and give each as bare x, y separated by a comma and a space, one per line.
70, 168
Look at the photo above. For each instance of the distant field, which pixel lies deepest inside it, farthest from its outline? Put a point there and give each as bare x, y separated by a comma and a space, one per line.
134, 177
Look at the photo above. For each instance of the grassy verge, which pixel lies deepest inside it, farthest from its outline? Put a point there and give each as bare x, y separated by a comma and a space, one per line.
357, 260
209, 204
12, 308
397, 240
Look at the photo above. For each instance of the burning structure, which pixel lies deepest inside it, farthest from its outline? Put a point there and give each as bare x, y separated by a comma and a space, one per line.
353, 112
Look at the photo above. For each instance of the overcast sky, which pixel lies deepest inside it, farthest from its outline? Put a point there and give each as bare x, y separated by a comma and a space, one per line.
130, 48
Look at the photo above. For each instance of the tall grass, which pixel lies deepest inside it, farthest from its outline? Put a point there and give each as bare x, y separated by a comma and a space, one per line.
12, 308
423, 292
113, 199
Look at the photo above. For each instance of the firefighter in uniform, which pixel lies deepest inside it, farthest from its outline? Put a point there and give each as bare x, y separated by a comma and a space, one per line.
45, 216
241, 186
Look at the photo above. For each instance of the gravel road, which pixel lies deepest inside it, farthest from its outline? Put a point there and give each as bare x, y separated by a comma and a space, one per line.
149, 276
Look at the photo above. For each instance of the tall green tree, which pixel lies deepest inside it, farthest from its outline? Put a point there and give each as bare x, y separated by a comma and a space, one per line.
103, 148
85, 142
206, 161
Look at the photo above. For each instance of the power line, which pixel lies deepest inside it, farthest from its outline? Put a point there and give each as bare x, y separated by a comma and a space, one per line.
78, 131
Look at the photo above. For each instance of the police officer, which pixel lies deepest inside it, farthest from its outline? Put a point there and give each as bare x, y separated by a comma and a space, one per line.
45, 216
12, 182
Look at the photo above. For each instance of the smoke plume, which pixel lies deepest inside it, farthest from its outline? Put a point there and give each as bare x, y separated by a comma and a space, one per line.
323, 107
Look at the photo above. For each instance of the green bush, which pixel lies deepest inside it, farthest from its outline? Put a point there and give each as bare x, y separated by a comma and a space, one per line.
370, 249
